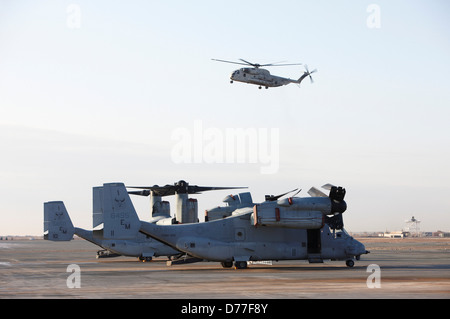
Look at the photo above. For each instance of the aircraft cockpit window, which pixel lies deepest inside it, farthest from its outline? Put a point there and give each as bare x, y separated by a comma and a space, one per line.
341, 233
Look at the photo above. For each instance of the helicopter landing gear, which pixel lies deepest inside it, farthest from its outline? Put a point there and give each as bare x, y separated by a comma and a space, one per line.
350, 263
240, 264
145, 259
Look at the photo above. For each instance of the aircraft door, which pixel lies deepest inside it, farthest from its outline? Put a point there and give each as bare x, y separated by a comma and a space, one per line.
314, 241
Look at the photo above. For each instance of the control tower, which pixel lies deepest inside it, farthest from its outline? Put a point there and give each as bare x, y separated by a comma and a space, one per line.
413, 227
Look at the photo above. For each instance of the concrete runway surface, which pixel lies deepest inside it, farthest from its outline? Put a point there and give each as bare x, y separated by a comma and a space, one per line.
408, 268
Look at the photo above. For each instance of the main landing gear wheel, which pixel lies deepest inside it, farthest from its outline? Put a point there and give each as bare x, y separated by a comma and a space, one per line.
145, 259
350, 263
227, 264
240, 264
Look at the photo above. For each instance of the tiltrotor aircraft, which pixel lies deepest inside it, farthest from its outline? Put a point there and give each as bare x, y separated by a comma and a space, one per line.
294, 228
262, 77
58, 225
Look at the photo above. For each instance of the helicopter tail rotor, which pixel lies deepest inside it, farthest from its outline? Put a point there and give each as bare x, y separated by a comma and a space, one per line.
306, 74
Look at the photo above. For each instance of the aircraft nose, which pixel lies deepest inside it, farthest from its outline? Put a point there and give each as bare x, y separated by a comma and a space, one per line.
361, 248
356, 248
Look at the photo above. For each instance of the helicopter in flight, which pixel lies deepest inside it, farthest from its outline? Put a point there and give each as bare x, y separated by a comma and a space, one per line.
262, 77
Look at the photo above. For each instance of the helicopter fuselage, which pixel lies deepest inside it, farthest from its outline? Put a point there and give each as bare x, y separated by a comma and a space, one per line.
261, 77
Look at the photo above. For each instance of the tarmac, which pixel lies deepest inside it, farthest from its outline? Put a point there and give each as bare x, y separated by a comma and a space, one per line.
395, 268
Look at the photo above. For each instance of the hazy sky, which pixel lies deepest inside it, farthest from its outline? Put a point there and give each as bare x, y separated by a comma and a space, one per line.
112, 91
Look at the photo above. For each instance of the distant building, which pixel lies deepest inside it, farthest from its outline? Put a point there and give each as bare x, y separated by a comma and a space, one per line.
395, 234
441, 234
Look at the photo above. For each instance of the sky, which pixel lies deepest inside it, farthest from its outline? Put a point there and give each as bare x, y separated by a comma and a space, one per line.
93, 92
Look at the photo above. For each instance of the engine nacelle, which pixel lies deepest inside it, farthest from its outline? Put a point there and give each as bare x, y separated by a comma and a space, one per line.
275, 216
323, 204
187, 209
161, 208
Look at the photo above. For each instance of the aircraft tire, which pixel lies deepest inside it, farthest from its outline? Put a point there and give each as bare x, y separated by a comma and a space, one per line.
240, 264
350, 263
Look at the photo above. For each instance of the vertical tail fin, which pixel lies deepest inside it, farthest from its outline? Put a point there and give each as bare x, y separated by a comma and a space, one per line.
97, 206
119, 216
57, 223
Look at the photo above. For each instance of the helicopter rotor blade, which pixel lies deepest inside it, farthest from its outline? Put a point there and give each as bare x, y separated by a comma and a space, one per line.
284, 64
177, 188
273, 63
256, 65
144, 192
327, 186
337, 193
230, 62
297, 192
314, 192
272, 198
